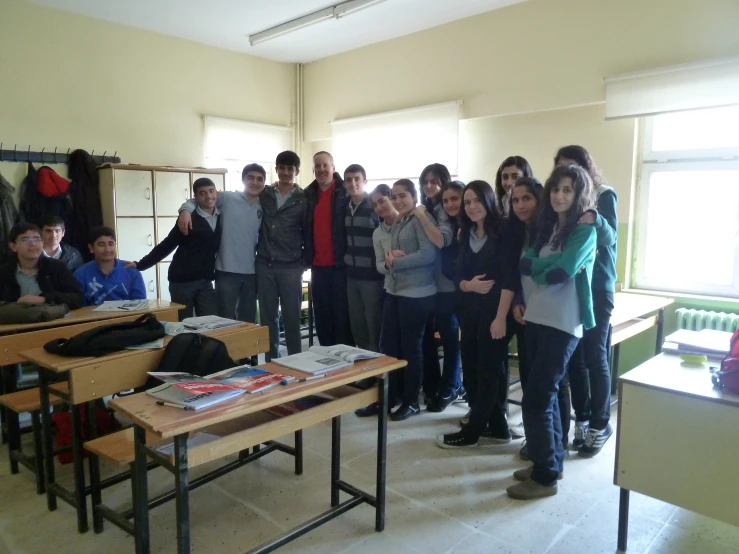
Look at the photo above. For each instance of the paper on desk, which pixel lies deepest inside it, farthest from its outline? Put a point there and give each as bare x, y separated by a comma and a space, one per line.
208, 323
706, 341
125, 306
197, 439
158, 343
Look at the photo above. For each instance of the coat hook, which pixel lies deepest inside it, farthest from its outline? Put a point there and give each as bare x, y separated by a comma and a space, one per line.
103, 160
92, 154
1, 151
55, 155
115, 155
15, 152
42, 154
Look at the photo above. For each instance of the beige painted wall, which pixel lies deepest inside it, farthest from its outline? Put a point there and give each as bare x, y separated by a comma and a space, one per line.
71, 81
533, 56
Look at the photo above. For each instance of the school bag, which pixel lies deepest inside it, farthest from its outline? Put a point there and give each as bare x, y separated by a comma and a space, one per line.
21, 312
107, 339
727, 377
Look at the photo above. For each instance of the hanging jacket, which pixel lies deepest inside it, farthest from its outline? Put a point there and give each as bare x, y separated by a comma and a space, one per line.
35, 205
8, 216
84, 191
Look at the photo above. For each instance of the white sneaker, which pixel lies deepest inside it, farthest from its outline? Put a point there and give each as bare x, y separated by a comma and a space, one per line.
581, 430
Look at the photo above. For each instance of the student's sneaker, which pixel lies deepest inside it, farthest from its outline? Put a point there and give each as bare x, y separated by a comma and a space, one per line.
405, 411
525, 473
530, 490
594, 441
581, 429
456, 440
442, 401
465, 419
461, 395
488, 438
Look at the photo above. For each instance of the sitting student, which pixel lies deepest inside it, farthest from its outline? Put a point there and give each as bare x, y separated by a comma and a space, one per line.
35, 279
192, 270
52, 231
106, 277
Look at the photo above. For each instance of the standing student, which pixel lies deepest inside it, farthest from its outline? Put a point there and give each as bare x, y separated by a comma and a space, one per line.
106, 277
52, 231
510, 171
363, 282
488, 278
556, 273
326, 245
192, 270
440, 389
30, 277
589, 369
236, 282
382, 244
281, 255
410, 296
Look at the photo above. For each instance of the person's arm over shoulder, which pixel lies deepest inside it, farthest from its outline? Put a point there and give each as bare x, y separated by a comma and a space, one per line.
161, 250
606, 219
425, 255
190, 205
138, 288
579, 250
445, 227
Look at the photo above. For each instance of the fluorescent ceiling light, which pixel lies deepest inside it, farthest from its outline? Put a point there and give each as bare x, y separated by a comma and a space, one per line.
335, 12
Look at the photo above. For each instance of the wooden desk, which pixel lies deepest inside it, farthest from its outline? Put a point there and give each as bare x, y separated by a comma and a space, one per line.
109, 371
163, 422
665, 406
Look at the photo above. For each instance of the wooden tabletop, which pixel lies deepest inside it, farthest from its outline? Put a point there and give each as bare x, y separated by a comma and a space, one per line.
628, 306
62, 364
86, 314
167, 422
667, 372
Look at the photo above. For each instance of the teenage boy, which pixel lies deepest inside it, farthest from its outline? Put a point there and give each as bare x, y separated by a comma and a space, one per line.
52, 232
106, 278
364, 283
236, 282
325, 251
281, 255
33, 278
192, 270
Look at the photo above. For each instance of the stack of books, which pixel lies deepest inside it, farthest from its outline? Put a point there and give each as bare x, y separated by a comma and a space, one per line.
318, 360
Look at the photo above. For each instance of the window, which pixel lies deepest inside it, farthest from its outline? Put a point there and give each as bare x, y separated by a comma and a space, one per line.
687, 236
233, 144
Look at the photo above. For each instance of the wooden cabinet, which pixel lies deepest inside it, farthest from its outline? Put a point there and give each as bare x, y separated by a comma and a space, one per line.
141, 204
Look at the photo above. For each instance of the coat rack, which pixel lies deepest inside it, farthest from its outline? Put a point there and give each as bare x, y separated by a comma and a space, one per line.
44, 157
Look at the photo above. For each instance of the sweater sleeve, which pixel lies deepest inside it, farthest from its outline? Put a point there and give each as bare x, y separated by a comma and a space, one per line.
606, 220
161, 250
510, 251
445, 226
425, 255
191, 204
379, 253
138, 289
579, 249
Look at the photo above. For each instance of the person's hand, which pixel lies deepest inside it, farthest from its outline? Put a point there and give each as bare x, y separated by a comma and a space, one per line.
129, 265
420, 210
32, 299
497, 328
184, 222
397, 253
587, 217
479, 285
518, 313
389, 259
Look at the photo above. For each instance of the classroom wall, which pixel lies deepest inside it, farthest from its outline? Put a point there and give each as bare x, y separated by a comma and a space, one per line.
71, 81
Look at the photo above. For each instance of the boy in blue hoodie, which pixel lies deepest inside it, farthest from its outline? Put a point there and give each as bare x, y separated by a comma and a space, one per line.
106, 278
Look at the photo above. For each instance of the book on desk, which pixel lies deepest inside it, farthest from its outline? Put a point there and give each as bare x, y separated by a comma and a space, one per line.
323, 359
706, 342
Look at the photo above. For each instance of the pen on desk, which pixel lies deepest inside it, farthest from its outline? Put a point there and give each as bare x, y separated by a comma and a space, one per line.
303, 380
161, 403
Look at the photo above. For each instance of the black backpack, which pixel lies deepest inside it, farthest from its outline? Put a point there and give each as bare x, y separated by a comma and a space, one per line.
107, 339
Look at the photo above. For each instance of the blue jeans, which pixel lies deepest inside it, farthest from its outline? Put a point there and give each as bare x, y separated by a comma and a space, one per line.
590, 373
331, 306
444, 320
549, 351
403, 323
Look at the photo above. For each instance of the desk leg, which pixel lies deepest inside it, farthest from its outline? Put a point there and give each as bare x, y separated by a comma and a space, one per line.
381, 453
43, 378
79, 466
614, 368
660, 332
335, 460
299, 452
623, 519
182, 498
139, 479
310, 315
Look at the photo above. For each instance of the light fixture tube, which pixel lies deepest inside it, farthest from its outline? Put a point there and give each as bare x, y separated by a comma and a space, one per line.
352, 6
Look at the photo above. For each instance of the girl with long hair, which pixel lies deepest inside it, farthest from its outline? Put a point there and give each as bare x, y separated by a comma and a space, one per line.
556, 274
589, 370
488, 278
510, 171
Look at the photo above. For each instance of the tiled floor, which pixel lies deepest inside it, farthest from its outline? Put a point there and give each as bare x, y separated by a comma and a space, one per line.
438, 501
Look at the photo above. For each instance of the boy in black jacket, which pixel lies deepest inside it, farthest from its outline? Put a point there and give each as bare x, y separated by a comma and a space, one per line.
192, 270
33, 278
52, 232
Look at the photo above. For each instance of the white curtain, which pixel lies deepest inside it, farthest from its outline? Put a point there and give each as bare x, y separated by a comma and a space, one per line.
231, 139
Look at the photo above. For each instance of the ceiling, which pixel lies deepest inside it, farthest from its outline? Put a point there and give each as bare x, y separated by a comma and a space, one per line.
228, 23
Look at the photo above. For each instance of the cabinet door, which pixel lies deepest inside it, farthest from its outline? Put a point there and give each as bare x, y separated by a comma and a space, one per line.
172, 189
164, 226
135, 237
163, 281
150, 282
217, 178
133, 193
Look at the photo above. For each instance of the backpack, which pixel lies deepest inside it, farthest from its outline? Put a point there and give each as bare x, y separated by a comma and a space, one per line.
192, 353
20, 312
727, 377
107, 339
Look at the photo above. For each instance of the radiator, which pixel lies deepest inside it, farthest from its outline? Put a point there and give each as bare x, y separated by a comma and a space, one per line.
696, 320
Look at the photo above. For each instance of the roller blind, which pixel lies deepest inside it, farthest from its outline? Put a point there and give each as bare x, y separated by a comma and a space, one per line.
676, 88
232, 139
398, 144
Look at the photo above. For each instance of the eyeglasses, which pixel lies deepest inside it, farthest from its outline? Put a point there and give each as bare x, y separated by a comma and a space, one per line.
29, 240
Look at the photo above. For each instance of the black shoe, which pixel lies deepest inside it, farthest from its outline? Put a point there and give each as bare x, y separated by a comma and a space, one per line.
489, 438
461, 395
405, 411
441, 402
368, 411
428, 399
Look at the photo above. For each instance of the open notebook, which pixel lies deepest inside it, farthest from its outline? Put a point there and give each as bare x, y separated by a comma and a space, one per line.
322, 359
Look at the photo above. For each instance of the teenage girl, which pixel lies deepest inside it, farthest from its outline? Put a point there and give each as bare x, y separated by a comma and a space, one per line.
411, 289
488, 278
556, 275
510, 171
589, 370
440, 389
381, 239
